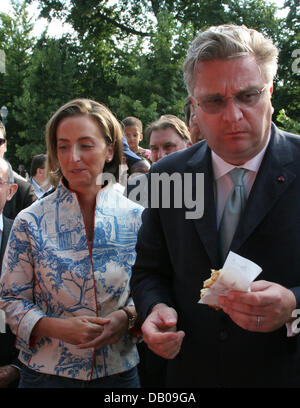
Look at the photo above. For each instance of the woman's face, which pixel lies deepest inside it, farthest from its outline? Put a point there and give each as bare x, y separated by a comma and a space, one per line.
82, 152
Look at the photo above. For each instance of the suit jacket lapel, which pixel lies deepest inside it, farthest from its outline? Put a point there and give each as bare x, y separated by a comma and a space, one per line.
272, 180
207, 225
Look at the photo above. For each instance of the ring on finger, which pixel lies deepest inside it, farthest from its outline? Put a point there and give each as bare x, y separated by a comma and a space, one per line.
258, 320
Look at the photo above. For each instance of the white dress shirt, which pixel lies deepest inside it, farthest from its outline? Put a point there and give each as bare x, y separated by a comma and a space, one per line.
223, 182
39, 191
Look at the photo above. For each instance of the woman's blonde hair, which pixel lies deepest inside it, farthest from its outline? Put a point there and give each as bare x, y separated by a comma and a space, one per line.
103, 117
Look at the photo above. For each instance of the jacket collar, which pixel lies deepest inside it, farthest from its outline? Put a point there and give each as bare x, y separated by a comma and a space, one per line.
274, 177
206, 226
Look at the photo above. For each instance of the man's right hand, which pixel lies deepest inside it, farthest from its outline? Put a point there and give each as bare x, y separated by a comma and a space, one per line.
160, 331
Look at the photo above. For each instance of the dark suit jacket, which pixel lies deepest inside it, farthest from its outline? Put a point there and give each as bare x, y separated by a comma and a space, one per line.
175, 255
23, 198
8, 354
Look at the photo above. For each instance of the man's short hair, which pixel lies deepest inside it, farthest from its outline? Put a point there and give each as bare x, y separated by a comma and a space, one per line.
187, 110
10, 174
230, 41
2, 130
133, 121
166, 122
38, 162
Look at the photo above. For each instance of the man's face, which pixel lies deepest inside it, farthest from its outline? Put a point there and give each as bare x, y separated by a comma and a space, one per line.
164, 142
2, 144
6, 190
41, 175
236, 133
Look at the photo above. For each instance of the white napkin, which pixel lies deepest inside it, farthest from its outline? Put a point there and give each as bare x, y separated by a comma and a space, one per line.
237, 274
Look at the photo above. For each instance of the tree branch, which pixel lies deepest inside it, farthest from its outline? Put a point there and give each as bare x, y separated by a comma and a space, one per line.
124, 27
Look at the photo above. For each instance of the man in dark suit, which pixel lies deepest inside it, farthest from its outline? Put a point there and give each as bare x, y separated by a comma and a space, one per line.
25, 194
166, 135
253, 340
9, 372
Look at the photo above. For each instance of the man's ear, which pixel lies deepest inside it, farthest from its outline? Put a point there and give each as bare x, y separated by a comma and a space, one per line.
12, 191
271, 88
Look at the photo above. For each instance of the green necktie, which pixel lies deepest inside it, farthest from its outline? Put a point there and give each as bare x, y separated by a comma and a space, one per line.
234, 206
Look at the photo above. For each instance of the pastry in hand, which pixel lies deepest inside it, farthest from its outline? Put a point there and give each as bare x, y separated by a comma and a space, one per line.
209, 282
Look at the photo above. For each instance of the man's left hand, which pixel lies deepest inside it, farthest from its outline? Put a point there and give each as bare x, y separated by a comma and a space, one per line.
266, 308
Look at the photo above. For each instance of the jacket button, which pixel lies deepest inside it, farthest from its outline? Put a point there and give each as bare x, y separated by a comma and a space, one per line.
223, 335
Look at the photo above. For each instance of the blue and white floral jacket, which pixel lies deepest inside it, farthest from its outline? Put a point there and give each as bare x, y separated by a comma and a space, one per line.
49, 270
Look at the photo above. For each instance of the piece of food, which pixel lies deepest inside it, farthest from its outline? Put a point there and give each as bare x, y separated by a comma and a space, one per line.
213, 277
209, 282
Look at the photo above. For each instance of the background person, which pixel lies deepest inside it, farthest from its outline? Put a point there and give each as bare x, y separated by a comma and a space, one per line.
38, 175
128, 160
65, 278
140, 167
229, 72
25, 195
9, 364
23, 172
133, 131
167, 135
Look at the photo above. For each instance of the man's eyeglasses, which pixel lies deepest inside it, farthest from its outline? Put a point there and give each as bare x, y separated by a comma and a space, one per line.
2, 141
216, 103
2, 182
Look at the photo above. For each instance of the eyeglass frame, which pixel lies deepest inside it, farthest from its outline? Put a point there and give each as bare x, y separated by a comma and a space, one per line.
4, 182
235, 98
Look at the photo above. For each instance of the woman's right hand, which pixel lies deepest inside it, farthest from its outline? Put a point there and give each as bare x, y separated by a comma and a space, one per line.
73, 330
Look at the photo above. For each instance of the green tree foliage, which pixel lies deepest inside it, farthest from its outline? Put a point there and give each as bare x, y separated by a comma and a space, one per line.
127, 54
152, 84
287, 123
52, 80
288, 85
16, 42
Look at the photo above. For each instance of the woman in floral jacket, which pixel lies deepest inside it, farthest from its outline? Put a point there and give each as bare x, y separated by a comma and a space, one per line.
65, 280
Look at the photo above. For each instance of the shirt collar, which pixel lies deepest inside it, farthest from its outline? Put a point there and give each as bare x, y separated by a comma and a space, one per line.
1, 222
36, 185
221, 167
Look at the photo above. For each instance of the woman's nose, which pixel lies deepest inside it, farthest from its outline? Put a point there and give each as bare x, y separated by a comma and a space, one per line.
75, 153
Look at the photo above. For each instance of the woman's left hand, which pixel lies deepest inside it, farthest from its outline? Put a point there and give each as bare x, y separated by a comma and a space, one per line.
112, 332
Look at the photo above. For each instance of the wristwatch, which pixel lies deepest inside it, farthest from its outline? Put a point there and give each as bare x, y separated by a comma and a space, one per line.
131, 317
